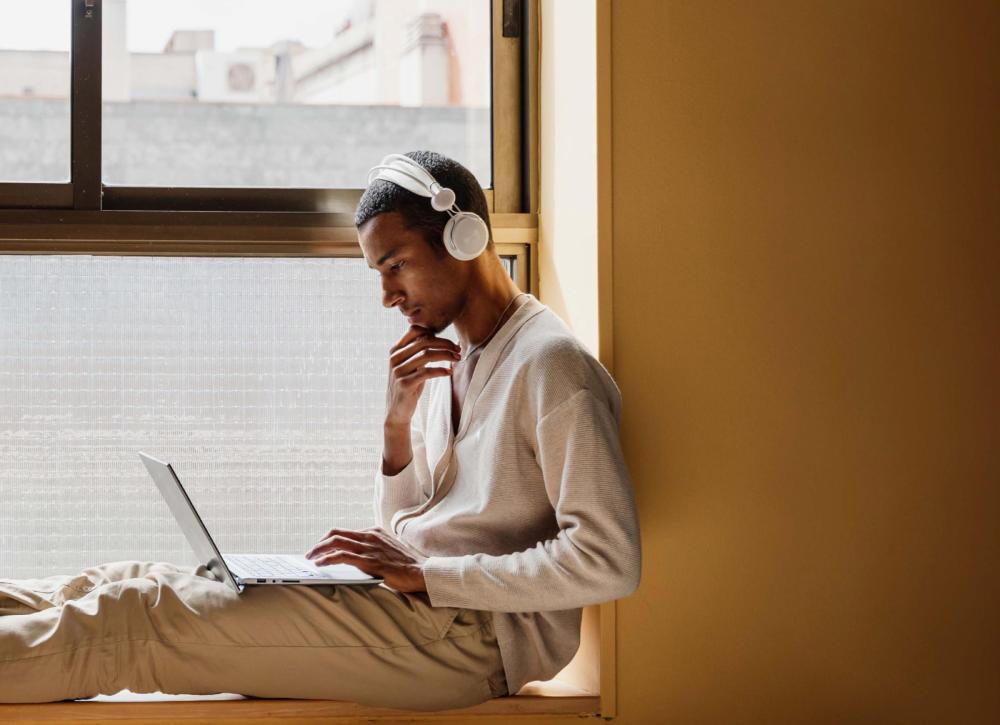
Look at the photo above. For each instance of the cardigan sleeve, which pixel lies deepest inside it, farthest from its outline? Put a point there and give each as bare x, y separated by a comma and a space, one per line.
595, 555
409, 487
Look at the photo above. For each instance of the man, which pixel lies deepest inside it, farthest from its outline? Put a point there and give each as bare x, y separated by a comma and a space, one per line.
503, 502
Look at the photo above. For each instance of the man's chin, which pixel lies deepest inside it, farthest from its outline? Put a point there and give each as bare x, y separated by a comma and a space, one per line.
430, 327
424, 325
433, 326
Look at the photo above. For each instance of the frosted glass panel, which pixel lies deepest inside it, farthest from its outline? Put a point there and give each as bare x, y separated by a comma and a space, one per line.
261, 380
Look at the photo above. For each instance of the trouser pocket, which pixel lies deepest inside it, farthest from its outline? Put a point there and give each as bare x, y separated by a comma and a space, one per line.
449, 619
463, 622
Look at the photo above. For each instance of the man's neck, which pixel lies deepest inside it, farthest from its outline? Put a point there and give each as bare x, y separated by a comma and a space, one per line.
490, 294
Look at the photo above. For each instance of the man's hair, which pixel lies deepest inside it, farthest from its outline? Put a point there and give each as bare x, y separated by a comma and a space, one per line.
384, 196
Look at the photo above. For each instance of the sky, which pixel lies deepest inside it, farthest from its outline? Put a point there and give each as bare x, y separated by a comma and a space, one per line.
44, 24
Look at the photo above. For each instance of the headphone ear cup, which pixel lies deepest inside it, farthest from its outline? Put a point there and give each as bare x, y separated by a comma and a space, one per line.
466, 236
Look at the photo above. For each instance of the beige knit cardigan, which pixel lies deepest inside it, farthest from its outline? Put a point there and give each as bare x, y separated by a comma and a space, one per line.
528, 511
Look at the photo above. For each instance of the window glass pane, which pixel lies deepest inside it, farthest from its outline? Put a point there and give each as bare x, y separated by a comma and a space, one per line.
34, 90
302, 93
262, 380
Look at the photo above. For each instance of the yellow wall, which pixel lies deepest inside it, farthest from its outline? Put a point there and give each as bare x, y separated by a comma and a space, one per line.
805, 331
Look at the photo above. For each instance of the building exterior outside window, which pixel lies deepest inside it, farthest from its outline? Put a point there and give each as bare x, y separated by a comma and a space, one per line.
381, 77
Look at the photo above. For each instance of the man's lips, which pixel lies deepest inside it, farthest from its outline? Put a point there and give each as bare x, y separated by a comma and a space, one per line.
411, 314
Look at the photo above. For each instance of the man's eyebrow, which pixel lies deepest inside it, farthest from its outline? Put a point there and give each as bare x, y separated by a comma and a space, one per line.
385, 256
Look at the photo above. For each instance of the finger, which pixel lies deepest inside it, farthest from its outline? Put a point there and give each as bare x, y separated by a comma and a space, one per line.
367, 564
381, 534
415, 334
387, 540
412, 334
316, 556
424, 343
338, 532
339, 543
349, 533
362, 535
421, 360
420, 376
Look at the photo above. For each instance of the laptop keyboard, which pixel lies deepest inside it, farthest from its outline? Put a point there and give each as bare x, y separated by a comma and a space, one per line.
264, 566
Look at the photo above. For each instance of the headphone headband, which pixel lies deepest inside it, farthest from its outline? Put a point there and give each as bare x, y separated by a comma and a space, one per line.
438, 194
466, 234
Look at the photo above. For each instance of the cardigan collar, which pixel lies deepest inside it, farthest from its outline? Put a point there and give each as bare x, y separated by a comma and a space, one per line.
490, 356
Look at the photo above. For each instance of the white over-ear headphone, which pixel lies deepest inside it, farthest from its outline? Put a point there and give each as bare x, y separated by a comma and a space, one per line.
466, 234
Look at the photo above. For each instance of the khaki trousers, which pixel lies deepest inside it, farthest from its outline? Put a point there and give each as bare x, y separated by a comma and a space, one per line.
152, 627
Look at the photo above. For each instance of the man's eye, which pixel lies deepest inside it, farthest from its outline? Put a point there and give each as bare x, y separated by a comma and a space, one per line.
397, 266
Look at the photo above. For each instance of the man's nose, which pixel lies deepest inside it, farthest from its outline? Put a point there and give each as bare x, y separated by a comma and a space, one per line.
391, 296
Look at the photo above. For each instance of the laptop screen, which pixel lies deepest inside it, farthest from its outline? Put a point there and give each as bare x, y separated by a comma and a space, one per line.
187, 518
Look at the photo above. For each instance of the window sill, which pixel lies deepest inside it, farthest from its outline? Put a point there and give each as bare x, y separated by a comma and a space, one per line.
232, 708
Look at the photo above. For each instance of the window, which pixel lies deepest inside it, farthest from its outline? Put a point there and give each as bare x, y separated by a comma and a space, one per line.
137, 266
244, 105
131, 293
34, 94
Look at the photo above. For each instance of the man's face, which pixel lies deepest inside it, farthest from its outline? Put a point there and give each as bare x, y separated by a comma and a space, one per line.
427, 285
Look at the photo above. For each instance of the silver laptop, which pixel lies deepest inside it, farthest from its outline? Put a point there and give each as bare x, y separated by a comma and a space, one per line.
240, 570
